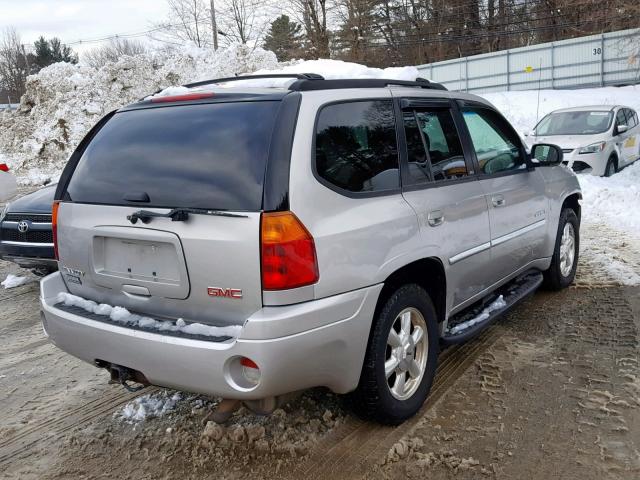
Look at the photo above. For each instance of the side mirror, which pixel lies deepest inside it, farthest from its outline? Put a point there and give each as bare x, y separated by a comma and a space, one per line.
546, 154
622, 128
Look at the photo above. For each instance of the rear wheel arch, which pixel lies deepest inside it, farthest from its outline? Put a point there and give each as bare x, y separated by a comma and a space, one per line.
428, 273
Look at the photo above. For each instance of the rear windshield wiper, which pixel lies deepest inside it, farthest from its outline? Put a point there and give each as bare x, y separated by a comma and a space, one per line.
178, 214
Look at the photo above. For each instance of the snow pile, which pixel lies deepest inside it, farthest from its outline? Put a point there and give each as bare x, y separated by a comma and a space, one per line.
497, 304
149, 406
614, 200
611, 224
64, 101
336, 69
123, 316
13, 281
520, 106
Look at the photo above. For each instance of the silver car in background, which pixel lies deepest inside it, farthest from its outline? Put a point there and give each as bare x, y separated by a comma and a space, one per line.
595, 139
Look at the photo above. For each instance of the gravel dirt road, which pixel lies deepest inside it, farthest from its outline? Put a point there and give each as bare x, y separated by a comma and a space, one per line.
550, 391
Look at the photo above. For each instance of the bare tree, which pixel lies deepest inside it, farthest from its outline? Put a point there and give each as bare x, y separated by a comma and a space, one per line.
357, 27
244, 21
189, 21
13, 63
237, 20
115, 49
313, 15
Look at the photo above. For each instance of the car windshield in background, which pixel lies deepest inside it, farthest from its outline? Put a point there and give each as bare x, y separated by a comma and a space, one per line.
209, 156
575, 123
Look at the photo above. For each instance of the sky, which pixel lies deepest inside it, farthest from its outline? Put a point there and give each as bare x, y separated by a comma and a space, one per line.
73, 20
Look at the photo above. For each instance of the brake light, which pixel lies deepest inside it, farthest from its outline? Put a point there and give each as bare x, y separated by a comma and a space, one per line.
183, 98
54, 227
4, 167
288, 252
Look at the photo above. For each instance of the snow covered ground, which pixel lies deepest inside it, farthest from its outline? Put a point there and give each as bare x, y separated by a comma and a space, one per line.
611, 224
13, 281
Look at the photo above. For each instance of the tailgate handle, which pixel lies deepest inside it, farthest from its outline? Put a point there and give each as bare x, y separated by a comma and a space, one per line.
136, 290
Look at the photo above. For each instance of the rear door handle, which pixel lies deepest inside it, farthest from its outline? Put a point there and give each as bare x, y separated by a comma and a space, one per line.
498, 201
435, 218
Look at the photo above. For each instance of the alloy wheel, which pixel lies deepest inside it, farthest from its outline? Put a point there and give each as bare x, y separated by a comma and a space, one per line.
567, 249
406, 353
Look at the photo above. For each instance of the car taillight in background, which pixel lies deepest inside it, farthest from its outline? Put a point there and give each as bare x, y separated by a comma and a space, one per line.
4, 167
54, 227
288, 252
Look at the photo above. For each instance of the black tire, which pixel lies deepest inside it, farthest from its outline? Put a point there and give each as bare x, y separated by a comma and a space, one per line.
373, 399
553, 277
612, 166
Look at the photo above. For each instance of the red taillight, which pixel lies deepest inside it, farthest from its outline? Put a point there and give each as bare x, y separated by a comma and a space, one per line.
288, 252
54, 227
183, 98
4, 167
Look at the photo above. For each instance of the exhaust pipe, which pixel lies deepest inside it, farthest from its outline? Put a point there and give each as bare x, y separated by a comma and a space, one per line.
123, 375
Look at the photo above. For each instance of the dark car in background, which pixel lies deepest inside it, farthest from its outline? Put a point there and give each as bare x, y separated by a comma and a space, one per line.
26, 237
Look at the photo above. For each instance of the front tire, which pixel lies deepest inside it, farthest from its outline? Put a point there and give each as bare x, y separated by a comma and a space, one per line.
564, 262
612, 166
401, 358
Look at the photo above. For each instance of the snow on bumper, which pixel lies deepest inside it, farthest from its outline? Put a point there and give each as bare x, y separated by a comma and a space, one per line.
318, 343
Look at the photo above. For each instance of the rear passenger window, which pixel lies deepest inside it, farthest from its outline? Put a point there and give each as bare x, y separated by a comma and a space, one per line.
497, 145
356, 147
433, 146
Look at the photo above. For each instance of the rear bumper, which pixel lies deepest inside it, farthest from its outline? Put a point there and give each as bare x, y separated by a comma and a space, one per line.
328, 354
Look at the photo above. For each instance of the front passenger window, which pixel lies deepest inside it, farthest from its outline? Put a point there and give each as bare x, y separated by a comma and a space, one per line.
496, 144
433, 146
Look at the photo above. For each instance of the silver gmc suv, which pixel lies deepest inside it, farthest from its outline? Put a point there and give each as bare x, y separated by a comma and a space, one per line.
250, 242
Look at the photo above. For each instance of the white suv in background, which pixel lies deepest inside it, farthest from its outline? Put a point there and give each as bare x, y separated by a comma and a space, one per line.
597, 139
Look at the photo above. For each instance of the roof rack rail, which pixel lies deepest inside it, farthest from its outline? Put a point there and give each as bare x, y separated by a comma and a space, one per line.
298, 76
302, 84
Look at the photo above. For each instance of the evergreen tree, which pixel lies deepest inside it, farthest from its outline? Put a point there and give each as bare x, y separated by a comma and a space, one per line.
52, 51
283, 38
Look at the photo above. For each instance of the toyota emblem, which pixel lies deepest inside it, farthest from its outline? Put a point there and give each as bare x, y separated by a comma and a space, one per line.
23, 226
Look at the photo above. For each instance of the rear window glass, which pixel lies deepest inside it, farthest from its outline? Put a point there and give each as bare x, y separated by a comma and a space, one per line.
198, 156
356, 146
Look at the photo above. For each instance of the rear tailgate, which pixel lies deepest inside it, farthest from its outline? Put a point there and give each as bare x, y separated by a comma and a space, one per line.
209, 158
206, 269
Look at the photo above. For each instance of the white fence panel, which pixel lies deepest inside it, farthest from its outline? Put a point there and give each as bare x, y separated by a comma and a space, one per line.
596, 60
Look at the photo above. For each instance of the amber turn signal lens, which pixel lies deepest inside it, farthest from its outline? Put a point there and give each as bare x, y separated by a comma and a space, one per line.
288, 252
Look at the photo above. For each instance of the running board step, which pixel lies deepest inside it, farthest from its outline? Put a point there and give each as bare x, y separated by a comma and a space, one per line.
471, 321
